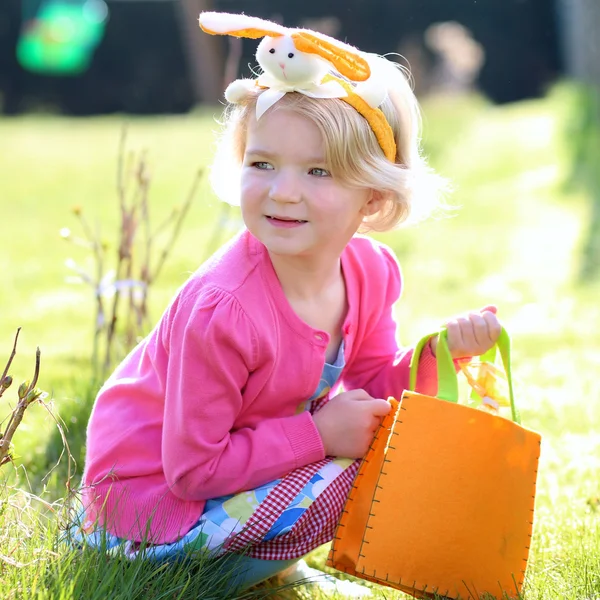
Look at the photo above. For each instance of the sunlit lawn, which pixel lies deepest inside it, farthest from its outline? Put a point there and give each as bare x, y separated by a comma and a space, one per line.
514, 241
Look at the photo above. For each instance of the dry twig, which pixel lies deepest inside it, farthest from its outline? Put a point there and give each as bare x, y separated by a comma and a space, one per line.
137, 261
27, 393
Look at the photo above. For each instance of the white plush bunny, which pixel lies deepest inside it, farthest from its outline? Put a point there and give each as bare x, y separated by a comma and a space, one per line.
297, 60
281, 60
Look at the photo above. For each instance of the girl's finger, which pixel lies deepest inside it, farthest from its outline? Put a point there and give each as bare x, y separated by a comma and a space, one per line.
494, 326
454, 335
481, 331
468, 334
380, 408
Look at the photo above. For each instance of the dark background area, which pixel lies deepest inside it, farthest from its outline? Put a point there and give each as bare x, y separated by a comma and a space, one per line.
141, 65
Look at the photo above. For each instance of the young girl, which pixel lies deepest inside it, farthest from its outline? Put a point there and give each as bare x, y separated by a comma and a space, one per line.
225, 430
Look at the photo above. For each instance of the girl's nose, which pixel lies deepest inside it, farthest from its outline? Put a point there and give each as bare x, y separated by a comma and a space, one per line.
285, 188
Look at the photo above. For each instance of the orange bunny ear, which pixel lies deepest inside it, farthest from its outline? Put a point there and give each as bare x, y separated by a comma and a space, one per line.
344, 58
218, 23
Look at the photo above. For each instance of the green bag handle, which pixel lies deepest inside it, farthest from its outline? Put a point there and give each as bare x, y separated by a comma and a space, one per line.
447, 377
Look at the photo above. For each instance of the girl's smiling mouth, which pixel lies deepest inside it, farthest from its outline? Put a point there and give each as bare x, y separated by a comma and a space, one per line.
284, 221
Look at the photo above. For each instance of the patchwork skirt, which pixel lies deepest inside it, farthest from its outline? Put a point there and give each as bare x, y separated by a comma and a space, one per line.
281, 520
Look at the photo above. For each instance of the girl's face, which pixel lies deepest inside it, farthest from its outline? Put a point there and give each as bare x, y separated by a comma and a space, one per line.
289, 199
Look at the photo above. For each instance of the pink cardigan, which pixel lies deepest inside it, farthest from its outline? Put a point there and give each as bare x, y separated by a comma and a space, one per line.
206, 405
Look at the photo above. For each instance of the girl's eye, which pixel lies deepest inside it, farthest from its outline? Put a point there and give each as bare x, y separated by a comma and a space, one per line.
320, 172
262, 165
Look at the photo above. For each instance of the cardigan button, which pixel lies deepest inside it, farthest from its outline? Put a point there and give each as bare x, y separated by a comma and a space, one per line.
319, 336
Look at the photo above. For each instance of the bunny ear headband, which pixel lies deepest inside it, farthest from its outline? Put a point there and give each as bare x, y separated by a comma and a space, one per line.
301, 60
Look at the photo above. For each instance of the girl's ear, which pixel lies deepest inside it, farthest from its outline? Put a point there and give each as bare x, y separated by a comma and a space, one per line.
374, 203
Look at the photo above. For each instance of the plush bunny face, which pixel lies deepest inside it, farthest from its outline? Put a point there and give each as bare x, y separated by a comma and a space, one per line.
280, 59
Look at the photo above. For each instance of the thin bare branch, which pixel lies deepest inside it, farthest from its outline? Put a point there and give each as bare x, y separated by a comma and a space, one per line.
177, 226
121, 180
87, 230
164, 225
123, 317
13, 424
27, 394
12, 355
36, 372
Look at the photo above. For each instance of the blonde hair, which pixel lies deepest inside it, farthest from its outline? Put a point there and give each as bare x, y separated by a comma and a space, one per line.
352, 151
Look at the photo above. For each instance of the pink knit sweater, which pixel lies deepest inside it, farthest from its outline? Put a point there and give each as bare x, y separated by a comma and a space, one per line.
206, 404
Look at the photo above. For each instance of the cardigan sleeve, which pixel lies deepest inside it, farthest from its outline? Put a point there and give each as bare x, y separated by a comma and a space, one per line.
213, 349
380, 366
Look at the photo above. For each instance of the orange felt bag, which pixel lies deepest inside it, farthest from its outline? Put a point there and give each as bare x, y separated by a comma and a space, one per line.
443, 501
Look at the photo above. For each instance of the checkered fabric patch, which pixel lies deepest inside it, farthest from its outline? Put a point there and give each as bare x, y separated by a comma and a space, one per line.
315, 527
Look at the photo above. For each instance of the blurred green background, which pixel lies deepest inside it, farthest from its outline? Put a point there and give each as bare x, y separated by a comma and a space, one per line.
523, 232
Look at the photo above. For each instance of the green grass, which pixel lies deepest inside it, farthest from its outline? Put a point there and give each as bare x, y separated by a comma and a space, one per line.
40, 567
516, 241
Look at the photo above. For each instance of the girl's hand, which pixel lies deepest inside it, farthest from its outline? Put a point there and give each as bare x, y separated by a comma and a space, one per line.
471, 335
348, 422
